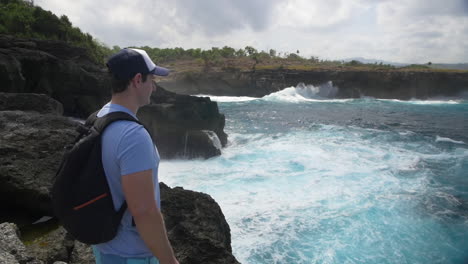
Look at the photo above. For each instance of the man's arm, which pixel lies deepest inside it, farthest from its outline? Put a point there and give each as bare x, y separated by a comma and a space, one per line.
138, 189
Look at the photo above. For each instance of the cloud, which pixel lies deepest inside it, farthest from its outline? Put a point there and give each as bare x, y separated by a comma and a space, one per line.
218, 17
316, 14
426, 29
396, 30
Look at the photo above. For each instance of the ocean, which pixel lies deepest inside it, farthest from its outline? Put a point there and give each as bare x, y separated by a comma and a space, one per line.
307, 179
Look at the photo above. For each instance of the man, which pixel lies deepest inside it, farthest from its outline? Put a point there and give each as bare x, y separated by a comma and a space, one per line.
131, 161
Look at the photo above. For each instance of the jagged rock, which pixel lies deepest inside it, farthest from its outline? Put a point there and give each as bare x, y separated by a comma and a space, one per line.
204, 143
30, 102
195, 223
7, 258
171, 117
54, 246
31, 149
53, 68
196, 227
64, 73
32, 146
11, 246
82, 254
10, 73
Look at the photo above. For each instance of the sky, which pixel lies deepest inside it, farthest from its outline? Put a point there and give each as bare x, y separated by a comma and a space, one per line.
405, 31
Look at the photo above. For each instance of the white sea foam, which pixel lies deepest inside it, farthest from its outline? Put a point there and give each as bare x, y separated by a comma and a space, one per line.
423, 102
444, 139
306, 93
227, 99
331, 193
287, 197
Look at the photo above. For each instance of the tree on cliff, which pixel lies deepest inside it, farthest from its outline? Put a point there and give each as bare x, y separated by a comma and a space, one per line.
23, 19
252, 53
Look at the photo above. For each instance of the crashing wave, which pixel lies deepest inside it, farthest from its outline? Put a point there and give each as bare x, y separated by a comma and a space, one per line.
228, 99
306, 92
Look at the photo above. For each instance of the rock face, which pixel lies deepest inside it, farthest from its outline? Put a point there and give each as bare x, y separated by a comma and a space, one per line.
174, 120
67, 75
53, 68
30, 102
195, 223
12, 250
351, 83
54, 246
196, 227
31, 147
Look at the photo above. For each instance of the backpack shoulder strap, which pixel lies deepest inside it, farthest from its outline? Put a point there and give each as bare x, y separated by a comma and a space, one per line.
100, 123
91, 119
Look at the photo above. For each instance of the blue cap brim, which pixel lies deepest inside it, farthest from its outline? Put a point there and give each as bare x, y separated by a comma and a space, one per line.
160, 71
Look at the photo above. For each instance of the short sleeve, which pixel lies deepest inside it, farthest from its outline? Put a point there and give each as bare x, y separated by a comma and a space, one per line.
136, 151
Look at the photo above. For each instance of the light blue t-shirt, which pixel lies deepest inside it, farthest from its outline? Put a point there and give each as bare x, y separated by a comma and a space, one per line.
126, 148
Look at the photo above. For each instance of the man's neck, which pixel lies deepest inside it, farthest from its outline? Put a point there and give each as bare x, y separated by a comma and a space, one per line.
125, 101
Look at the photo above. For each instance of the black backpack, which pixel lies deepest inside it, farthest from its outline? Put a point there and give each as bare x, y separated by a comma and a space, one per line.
81, 197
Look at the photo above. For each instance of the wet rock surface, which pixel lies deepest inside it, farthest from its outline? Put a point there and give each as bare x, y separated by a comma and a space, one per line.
172, 117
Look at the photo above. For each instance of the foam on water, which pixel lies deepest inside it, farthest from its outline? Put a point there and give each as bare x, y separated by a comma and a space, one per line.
331, 196
307, 182
298, 94
443, 139
226, 99
424, 102
306, 93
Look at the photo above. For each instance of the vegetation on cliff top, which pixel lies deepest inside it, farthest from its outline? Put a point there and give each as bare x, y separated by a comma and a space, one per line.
22, 18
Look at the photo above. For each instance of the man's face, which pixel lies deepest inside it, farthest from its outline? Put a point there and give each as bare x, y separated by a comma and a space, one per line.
148, 87
144, 89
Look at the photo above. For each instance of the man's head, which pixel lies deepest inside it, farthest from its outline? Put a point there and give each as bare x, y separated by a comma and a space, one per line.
126, 64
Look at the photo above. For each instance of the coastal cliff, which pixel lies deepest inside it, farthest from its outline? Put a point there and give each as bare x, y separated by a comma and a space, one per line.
351, 83
48, 85
33, 135
66, 74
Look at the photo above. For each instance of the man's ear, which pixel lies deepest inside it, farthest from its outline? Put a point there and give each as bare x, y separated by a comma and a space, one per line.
136, 79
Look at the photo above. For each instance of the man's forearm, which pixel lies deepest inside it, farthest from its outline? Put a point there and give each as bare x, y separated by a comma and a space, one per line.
150, 225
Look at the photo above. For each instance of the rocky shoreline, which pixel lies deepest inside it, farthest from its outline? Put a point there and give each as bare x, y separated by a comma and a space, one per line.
182, 126
46, 87
31, 145
385, 84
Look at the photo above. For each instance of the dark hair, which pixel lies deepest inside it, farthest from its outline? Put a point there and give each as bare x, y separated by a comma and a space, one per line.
119, 86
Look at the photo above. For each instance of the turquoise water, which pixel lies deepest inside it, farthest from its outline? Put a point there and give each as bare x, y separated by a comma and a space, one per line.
307, 180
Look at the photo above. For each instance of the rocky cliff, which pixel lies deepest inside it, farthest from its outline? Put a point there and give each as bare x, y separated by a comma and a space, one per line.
66, 74
32, 144
396, 84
